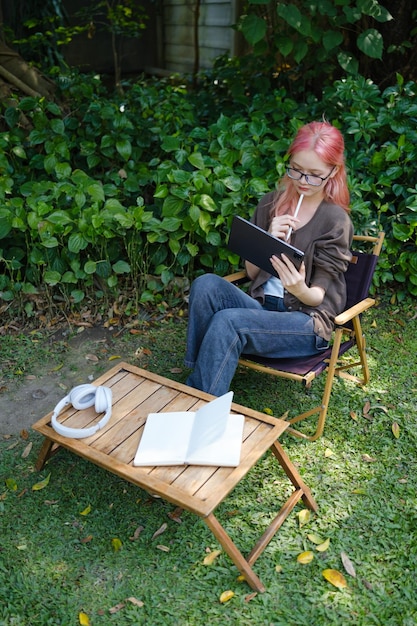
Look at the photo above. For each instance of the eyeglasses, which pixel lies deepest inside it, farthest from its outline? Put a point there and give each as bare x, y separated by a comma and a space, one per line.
311, 179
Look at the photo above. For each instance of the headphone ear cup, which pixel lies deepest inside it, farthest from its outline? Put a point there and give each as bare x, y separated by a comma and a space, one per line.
83, 396
103, 399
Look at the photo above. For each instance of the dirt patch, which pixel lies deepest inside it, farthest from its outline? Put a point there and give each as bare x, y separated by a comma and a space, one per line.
87, 355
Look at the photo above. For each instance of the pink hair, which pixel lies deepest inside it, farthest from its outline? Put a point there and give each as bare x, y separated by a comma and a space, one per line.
328, 143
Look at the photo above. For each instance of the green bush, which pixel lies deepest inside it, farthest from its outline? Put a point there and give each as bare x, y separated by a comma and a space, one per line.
106, 195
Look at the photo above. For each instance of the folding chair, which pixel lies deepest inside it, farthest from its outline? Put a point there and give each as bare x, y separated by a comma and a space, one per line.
347, 334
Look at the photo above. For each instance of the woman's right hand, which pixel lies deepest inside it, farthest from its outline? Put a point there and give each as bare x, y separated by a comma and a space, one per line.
281, 224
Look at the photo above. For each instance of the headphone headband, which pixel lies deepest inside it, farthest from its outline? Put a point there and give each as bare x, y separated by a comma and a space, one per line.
83, 397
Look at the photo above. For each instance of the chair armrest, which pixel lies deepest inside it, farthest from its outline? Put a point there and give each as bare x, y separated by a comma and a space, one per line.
357, 309
237, 278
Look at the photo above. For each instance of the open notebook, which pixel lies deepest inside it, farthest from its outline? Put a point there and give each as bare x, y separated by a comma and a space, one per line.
210, 436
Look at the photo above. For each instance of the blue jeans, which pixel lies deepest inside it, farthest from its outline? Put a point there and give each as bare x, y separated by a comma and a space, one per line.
225, 322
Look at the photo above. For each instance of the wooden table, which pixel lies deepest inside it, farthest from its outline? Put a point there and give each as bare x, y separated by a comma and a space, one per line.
136, 393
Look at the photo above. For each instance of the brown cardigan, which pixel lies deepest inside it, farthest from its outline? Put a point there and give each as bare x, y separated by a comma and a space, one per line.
325, 241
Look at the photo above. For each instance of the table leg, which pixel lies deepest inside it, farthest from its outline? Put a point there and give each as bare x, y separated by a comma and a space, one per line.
294, 475
236, 556
301, 491
48, 449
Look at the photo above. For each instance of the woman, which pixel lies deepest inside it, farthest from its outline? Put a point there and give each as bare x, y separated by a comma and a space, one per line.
289, 316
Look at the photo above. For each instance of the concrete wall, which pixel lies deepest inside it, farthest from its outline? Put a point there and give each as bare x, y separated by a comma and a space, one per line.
215, 33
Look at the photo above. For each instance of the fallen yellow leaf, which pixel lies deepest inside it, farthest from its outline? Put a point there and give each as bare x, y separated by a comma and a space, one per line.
83, 619
335, 578
86, 511
305, 557
226, 596
114, 357
11, 484
209, 559
42, 484
315, 538
303, 517
57, 368
163, 548
323, 546
268, 411
328, 453
116, 543
395, 430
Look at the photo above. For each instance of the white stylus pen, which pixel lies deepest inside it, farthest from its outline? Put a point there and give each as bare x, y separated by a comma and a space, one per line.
297, 208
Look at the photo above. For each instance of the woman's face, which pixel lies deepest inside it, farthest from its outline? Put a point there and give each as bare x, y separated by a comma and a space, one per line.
308, 163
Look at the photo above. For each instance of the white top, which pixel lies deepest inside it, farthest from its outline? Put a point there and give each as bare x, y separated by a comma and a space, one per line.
273, 287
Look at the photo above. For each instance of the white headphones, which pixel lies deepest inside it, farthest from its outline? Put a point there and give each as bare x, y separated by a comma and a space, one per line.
82, 397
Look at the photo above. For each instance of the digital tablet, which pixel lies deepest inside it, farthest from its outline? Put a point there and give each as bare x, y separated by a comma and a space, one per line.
257, 246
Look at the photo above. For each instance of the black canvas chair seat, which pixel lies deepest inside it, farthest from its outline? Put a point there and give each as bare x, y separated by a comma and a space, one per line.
347, 335
316, 363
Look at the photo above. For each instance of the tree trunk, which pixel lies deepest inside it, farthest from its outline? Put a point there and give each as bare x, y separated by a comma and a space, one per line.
15, 73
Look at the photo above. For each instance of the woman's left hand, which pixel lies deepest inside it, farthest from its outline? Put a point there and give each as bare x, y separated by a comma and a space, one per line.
294, 281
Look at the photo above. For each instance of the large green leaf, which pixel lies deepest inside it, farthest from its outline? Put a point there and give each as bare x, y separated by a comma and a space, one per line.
206, 202
90, 267
292, 15
234, 183
171, 224
77, 295
196, 159
62, 170
60, 218
371, 43
174, 246
121, 267
402, 231
375, 10
51, 277
50, 242
77, 242
19, 152
96, 192
300, 50
57, 126
170, 144
124, 148
348, 62
331, 39
5, 222
172, 206
253, 28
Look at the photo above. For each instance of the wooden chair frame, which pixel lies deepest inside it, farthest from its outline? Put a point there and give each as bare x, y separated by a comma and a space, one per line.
348, 323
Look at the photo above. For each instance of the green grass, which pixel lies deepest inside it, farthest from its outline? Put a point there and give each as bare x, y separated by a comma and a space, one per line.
56, 562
